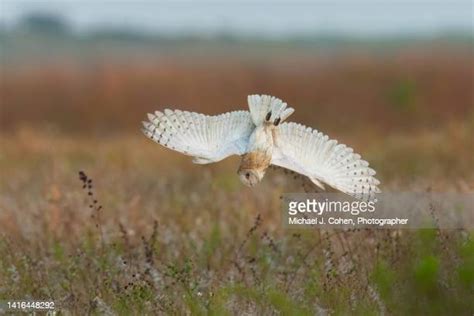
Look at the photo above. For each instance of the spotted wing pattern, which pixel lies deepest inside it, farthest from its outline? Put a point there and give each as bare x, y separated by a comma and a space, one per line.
206, 138
311, 153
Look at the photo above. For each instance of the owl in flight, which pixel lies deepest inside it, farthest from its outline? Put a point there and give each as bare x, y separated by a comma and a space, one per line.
262, 139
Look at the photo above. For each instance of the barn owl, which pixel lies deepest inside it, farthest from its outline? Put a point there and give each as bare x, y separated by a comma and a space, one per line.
262, 138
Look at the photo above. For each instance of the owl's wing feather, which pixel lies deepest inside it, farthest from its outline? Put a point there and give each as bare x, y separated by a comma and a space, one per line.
207, 138
311, 153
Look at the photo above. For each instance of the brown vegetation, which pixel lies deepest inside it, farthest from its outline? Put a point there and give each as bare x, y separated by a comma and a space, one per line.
145, 231
411, 89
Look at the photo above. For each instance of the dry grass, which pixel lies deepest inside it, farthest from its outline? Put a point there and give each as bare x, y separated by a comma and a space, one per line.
158, 235
172, 237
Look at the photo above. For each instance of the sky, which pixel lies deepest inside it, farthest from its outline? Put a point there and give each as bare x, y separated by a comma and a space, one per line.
260, 17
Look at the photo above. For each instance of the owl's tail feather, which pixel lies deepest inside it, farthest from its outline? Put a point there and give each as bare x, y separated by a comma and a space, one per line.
268, 109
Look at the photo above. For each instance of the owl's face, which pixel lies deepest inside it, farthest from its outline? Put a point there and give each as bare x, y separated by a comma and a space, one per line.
250, 177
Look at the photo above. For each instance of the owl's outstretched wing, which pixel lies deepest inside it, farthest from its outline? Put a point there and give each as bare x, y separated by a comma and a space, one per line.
207, 138
311, 153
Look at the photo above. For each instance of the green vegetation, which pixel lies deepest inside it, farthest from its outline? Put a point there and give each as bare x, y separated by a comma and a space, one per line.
159, 235
218, 248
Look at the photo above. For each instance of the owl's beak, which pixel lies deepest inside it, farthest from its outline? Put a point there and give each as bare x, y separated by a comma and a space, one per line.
250, 177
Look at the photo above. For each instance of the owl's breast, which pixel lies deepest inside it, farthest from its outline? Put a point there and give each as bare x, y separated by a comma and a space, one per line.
259, 151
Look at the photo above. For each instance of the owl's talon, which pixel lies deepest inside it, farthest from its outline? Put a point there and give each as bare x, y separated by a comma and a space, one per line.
277, 121
269, 115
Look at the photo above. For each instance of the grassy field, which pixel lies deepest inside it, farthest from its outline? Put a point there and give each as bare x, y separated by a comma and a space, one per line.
143, 230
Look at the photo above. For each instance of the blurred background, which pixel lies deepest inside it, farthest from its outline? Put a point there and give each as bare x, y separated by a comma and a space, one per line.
393, 79
373, 74
98, 66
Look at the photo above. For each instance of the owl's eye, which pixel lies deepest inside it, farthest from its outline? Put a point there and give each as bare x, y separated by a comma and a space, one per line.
247, 175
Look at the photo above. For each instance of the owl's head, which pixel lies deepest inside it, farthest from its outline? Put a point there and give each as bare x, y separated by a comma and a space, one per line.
250, 177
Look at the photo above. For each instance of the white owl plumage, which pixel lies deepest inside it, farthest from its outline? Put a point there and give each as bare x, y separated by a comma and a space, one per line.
260, 137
